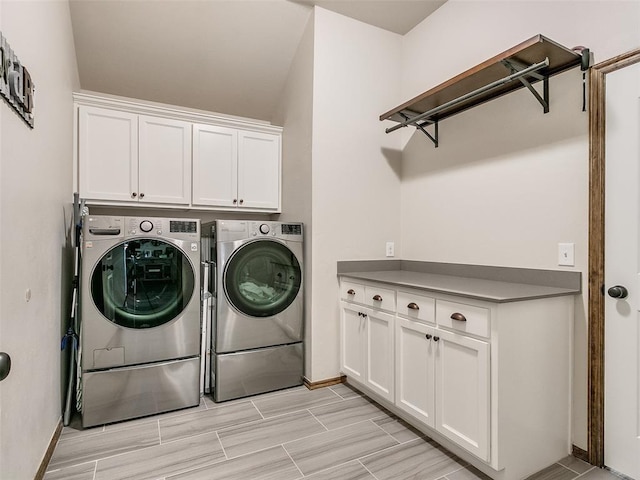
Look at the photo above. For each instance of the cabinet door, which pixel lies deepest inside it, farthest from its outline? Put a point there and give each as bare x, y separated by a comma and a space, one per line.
415, 374
259, 170
215, 166
352, 342
462, 391
107, 154
379, 351
164, 172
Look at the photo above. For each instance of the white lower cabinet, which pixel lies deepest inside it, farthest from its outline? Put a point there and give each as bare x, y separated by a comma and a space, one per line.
462, 391
490, 379
367, 348
415, 370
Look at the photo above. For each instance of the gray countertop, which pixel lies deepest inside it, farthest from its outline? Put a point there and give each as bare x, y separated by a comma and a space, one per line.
478, 282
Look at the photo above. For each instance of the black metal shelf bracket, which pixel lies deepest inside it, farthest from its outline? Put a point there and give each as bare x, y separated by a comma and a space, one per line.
514, 66
421, 127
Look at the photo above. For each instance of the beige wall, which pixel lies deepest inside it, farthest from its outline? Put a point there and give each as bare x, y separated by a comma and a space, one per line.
35, 216
295, 115
355, 166
507, 183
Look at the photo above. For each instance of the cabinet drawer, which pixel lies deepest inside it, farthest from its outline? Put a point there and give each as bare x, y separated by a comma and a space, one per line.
470, 318
417, 307
352, 292
378, 297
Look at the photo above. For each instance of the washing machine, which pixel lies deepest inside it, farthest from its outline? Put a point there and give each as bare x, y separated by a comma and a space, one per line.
258, 322
140, 317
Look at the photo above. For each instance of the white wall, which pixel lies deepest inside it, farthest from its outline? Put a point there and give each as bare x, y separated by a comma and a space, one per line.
507, 183
295, 115
355, 165
35, 197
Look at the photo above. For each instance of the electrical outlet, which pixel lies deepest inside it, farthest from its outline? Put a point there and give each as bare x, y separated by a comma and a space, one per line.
566, 254
390, 249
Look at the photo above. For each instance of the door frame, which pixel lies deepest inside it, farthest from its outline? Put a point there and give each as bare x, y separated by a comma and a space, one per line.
597, 163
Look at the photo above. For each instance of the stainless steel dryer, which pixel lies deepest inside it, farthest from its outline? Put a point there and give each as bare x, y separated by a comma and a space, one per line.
258, 323
140, 317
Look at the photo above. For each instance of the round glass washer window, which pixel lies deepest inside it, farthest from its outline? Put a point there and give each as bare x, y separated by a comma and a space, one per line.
142, 283
262, 278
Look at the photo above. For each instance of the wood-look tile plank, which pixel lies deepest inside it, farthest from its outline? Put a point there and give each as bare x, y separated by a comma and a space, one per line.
468, 473
398, 429
155, 418
77, 472
349, 471
575, 464
554, 472
348, 412
208, 399
272, 406
335, 447
251, 437
270, 464
208, 420
345, 391
162, 460
417, 460
81, 449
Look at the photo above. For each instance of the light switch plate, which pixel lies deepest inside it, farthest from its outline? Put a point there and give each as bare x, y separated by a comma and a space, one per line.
566, 254
390, 249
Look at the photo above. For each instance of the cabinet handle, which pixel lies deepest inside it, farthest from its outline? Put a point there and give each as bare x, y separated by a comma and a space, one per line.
377, 298
142, 195
435, 339
413, 306
241, 201
458, 316
235, 200
134, 195
428, 336
351, 291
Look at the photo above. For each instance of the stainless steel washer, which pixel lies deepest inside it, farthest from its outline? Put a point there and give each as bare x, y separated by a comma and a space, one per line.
257, 329
140, 317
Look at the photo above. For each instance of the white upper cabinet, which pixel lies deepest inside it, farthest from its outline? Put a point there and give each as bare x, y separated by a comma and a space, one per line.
164, 167
215, 166
236, 168
131, 153
107, 154
258, 170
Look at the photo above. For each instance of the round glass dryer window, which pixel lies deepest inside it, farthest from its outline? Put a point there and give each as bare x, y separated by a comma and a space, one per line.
142, 283
262, 278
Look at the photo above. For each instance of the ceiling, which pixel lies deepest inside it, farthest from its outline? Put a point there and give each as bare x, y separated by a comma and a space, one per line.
226, 56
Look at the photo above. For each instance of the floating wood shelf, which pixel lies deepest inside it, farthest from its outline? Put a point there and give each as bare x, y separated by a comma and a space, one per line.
531, 61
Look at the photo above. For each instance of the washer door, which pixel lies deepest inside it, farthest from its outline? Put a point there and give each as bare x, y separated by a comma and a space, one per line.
262, 278
142, 283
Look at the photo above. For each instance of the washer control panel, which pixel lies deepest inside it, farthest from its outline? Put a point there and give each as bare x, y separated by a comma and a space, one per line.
284, 231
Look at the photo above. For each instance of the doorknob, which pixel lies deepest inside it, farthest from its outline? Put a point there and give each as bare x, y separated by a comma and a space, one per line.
5, 365
618, 291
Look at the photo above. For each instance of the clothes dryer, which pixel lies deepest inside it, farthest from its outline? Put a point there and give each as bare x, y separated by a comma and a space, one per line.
140, 317
258, 324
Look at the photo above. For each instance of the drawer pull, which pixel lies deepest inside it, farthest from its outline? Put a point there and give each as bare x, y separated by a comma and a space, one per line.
377, 298
428, 336
458, 316
435, 339
413, 306
351, 291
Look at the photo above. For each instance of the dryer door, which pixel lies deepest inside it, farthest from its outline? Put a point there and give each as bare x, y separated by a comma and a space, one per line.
262, 278
142, 283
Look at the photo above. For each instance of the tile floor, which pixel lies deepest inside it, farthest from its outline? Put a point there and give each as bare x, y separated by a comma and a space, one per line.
331, 433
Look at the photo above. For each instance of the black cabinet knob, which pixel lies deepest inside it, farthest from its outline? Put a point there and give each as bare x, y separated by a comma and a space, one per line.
428, 336
435, 339
618, 291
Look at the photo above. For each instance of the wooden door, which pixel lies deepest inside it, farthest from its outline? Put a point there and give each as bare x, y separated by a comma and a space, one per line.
622, 267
